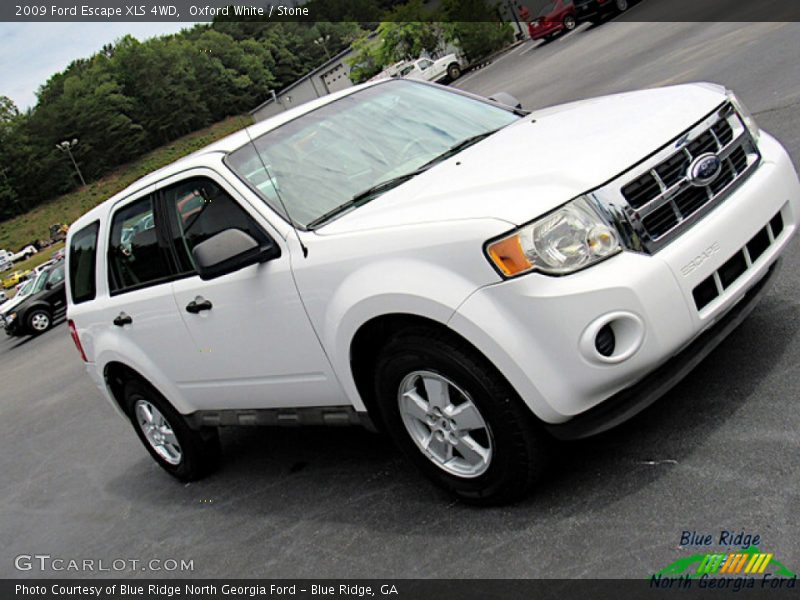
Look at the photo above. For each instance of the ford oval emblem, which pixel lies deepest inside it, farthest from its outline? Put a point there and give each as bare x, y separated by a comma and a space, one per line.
704, 169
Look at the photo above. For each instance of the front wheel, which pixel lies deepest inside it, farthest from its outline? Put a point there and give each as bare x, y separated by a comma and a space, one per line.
184, 453
622, 5
39, 321
457, 419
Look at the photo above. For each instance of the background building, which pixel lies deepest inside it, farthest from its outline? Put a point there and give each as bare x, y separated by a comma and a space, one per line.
329, 77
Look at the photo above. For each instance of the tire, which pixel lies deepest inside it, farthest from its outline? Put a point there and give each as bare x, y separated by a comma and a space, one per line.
569, 23
514, 451
198, 452
453, 72
38, 321
621, 5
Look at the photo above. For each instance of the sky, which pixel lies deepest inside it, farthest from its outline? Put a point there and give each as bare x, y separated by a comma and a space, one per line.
31, 52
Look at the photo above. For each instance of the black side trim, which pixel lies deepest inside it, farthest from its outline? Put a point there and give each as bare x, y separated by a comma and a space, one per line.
307, 415
631, 401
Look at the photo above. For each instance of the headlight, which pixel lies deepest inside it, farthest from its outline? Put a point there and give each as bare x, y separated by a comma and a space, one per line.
745, 114
567, 240
10, 318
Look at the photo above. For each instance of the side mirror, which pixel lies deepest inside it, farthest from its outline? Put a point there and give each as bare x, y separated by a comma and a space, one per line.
506, 99
231, 250
48, 286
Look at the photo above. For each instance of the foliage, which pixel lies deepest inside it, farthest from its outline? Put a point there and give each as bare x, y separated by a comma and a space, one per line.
133, 96
409, 31
35, 224
476, 27
412, 30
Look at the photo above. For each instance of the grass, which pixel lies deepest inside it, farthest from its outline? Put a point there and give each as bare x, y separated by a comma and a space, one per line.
35, 225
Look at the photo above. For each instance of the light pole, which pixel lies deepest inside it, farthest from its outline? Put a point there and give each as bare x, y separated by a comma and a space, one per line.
67, 147
321, 41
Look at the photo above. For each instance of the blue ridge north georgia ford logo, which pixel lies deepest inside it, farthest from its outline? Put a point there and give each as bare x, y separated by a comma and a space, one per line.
704, 169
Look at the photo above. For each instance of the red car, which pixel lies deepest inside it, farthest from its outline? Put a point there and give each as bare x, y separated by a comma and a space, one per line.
556, 17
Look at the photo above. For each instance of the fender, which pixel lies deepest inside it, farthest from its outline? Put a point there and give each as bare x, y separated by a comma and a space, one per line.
349, 308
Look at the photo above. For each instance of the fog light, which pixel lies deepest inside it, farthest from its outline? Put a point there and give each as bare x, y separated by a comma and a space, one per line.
605, 341
612, 338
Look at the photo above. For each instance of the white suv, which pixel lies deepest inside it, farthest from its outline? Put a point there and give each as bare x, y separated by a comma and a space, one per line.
468, 277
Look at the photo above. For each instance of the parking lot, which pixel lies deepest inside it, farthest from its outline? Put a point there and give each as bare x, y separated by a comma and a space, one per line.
720, 451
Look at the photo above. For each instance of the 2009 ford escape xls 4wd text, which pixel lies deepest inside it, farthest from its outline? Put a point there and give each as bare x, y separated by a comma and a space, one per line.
471, 278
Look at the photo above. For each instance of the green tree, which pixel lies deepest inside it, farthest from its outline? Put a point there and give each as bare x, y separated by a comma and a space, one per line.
476, 27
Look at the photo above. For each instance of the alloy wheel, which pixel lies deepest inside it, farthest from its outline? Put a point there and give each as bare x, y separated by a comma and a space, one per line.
40, 321
445, 424
158, 432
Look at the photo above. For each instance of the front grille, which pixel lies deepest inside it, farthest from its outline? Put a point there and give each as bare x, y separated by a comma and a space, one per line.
715, 284
659, 199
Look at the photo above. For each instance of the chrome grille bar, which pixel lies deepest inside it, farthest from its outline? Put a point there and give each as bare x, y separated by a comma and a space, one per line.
651, 212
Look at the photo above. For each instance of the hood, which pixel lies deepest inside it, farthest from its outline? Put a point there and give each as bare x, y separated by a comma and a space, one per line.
9, 305
541, 161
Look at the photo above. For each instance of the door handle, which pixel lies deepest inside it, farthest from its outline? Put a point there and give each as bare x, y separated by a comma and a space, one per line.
123, 319
198, 304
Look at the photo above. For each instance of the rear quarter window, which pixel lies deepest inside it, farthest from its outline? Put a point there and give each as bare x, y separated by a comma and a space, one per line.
82, 256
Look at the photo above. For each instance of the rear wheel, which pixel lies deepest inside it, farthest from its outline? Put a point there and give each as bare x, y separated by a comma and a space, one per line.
569, 23
457, 419
39, 321
622, 5
454, 71
181, 451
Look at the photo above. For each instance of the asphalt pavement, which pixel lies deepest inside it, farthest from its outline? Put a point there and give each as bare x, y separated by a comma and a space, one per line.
719, 452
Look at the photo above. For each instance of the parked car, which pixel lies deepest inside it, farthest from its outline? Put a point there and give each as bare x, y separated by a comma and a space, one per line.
35, 314
468, 277
24, 253
554, 18
425, 69
21, 294
12, 280
58, 254
3, 296
596, 10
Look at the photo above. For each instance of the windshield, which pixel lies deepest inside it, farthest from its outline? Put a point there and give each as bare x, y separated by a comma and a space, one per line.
326, 157
26, 289
38, 283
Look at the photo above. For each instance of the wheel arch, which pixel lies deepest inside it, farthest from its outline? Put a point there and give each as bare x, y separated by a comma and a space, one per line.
26, 311
373, 334
116, 374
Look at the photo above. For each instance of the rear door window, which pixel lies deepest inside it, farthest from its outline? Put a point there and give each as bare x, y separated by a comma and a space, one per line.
137, 256
82, 259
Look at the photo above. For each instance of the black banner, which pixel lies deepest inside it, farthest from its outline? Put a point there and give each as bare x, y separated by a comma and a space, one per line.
405, 589
372, 10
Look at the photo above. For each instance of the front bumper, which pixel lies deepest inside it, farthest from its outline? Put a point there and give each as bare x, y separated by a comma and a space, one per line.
11, 327
539, 330
631, 401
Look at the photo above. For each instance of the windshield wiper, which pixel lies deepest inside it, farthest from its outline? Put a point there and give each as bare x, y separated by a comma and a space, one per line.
365, 196
384, 186
458, 147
